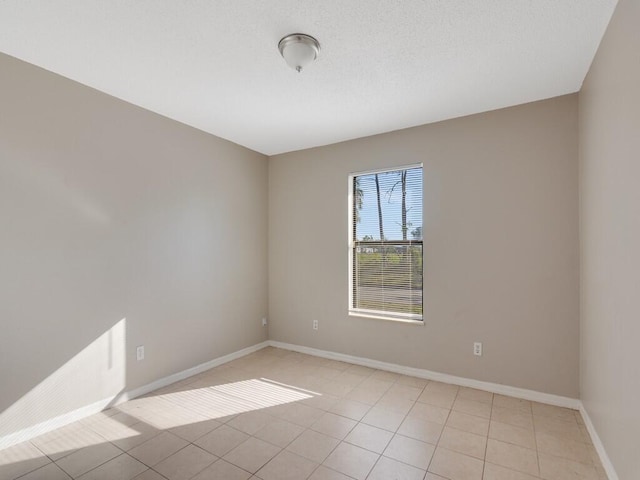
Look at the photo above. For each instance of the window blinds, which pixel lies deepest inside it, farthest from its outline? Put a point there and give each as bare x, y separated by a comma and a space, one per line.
387, 243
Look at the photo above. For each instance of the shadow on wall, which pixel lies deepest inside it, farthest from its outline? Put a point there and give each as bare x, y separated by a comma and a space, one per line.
98, 372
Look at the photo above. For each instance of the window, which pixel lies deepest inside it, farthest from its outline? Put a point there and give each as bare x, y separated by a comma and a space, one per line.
385, 251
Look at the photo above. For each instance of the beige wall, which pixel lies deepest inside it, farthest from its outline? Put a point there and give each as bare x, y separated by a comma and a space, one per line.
610, 240
501, 247
109, 212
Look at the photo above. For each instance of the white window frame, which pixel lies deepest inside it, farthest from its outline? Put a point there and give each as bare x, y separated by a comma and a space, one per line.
407, 318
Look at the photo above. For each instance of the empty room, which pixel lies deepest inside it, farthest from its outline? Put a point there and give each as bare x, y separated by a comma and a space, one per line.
290, 240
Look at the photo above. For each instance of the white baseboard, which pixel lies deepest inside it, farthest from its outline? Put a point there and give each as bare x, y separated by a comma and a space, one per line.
597, 443
523, 393
190, 372
88, 410
53, 423
80, 413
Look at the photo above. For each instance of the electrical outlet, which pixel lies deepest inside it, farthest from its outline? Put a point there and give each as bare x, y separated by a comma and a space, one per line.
140, 352
315, 324
477, 349
264, 322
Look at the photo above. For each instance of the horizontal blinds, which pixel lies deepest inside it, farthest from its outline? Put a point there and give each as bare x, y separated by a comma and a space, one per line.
387, 243
388, 278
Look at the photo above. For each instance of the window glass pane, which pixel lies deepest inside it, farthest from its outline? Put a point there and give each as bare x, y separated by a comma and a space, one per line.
386, 256
388, 205
388, 278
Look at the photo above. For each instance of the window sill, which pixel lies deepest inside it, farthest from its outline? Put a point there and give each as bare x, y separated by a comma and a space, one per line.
409, 321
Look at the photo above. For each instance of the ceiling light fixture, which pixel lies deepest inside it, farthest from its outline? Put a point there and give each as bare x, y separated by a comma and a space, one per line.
299, 50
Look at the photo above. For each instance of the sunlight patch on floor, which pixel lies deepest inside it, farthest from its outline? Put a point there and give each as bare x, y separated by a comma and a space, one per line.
235, 398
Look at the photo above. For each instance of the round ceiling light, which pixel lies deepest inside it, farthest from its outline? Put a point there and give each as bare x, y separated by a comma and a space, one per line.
299, 50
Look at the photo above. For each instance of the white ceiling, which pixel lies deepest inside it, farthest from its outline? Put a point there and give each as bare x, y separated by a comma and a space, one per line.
384, 64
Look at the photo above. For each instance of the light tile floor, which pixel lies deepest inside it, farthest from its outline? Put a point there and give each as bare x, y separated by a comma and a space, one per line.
280, 415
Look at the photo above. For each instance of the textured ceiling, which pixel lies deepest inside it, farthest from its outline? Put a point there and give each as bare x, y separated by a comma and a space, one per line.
384, 64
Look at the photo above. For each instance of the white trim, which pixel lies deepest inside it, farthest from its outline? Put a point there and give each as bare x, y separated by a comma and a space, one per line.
53, 423
350, 221
189, 372
597, 443
523, 393
355, 312
83, 412
386, 169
